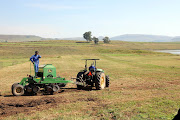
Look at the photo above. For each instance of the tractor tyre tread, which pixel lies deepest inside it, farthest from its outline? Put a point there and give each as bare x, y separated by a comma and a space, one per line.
15, 88
79, 76
107, 80
98, 81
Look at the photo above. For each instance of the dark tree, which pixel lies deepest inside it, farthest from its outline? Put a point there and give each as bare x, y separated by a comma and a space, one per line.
106, 40
96, 40
87, 36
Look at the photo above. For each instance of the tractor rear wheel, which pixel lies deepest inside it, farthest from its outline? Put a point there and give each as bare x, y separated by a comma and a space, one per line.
100, 81
107, 80
79, 79
18, 90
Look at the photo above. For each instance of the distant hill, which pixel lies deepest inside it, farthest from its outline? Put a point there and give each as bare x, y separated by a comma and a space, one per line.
19, 38
77, 38
126, 37
176, 39
145, 38
73, 38
135, 38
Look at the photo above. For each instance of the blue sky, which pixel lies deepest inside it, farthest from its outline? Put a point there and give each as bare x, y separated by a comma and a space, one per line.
71, 18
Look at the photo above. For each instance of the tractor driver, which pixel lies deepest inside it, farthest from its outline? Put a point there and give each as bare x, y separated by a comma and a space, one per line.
92, 68
35, 60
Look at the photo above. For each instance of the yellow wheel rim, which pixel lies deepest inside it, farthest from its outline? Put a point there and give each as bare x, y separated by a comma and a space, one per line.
102, 81
18, 90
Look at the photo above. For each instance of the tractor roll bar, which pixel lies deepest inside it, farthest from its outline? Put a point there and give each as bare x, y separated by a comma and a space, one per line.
90, 59
87, 60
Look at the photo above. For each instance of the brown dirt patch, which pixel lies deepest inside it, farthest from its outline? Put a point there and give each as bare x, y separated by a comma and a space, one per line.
144, 86
11, 105
175, 82
15, 106
87, 99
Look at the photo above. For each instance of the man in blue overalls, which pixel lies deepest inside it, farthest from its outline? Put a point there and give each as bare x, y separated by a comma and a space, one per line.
35, 60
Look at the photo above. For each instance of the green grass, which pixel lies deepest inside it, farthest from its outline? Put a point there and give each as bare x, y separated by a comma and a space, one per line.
144, 84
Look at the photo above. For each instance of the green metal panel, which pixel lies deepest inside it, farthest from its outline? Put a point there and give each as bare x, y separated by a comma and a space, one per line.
49, 76
24, 81
55, 80
49, 70
27, 80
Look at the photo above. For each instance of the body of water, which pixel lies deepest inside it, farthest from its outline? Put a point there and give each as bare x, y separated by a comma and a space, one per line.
170, 51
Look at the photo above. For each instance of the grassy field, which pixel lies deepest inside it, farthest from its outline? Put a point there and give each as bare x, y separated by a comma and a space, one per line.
144, 84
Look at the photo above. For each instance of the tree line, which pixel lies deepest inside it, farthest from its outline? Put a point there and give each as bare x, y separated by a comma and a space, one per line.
88, 37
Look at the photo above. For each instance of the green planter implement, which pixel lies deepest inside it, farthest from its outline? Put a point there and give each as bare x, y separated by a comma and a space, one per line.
45, 80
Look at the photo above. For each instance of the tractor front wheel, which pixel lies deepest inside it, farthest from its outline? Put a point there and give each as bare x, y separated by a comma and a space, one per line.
100, 81
18, 90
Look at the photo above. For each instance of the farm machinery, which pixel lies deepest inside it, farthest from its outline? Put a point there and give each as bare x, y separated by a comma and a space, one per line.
92, 77
45, 79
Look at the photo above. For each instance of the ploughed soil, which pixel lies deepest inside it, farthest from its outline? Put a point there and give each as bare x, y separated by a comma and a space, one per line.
11, 105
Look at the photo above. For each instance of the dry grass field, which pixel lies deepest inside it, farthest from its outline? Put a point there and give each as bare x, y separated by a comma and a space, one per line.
143, 84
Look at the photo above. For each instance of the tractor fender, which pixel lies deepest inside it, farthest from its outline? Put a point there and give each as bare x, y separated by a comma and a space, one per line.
99, 70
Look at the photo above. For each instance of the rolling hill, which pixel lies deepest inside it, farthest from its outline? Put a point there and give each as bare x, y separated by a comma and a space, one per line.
126, 37
145, 38
135, 38
19, 38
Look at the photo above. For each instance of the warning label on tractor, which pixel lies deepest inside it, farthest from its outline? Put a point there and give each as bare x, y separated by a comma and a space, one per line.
49, 70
